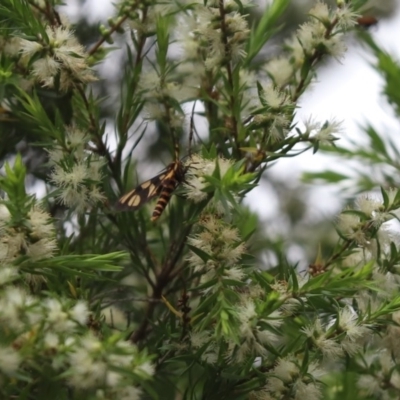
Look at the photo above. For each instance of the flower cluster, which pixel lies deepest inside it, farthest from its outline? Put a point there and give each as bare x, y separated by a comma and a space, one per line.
210, 36
324, 134
253, 326
366, 222
322, 34
288, 378
324, 338
222, 247
158, 92
54, 332
277, 96
35, 238
254, 331
380, 367
58, 58
76, 171
198, 169
366, 228
21, 315
111, 367
276, 111
383, 373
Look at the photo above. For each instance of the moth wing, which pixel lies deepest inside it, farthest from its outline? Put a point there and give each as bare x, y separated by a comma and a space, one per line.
142, 193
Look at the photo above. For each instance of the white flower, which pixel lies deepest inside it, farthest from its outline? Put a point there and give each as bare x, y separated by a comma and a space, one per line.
198, 168
246, 312
79, 312
194, 189
349, 324
74, 198
357, 258
4, 216
51, 340
286, 370
378, 218
315, 370
326, 134
78, 183
329, 347
275, 318
198, 339
9, 360
11, 45
62, 56
310, 34
335, 46
128, 393
85, 372
7, 274
396, 317
275, 386
370, 384
121, 360
310, 391
112, 378
347, 18
275, 98
12, 245
368, 205
73, 178
57, 318
348, 223
29, 48
395, 379
236, 22
43, 248
235, 273
280, 70
210, 356
75, 138
13, 304
90, 343
311, 126
150, 82
41, 226
321, 12
232, 254
220, 242
43, 68
296, 51
146, 368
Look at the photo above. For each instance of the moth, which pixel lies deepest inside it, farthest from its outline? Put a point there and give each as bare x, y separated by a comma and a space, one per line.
161, 185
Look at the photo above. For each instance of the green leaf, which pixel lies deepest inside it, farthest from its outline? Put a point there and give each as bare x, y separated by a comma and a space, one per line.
385, 198
266, 27
327, 176
202, 254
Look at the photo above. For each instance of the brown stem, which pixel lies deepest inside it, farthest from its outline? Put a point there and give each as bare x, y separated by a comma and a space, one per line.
49, 12
228, 66
115, 27
314, 58
162, 280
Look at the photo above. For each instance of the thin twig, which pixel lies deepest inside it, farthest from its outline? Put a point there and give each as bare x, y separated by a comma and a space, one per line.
228, 66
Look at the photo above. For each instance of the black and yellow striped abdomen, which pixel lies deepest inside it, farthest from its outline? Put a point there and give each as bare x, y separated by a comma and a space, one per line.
161, 185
